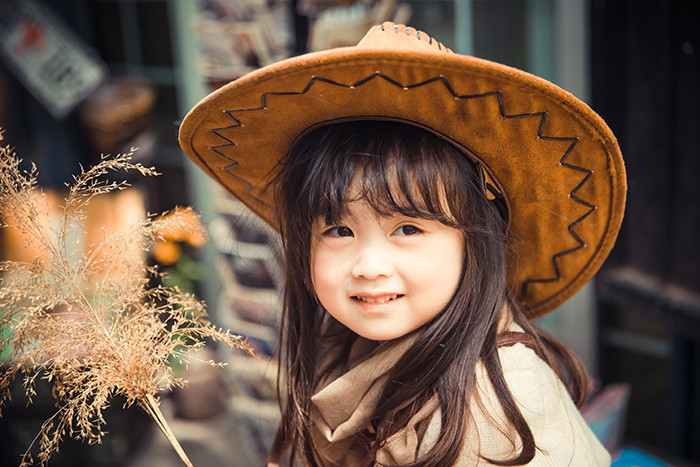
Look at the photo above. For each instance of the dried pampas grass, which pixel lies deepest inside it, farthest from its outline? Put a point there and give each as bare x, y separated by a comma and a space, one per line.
82, 316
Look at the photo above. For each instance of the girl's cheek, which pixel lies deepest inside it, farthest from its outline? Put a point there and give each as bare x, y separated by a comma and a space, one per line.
325, 272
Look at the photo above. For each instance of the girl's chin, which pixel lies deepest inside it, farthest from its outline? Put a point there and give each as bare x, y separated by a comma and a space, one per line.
386, 333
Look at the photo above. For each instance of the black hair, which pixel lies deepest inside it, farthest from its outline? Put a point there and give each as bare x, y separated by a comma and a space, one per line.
398, 168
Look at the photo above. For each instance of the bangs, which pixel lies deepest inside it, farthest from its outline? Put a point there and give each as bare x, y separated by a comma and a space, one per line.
394, 167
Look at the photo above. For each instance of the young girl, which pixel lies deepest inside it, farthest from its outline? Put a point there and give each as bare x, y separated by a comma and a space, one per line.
429, 204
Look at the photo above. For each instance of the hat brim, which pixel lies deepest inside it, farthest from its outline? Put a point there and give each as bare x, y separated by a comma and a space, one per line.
556, 162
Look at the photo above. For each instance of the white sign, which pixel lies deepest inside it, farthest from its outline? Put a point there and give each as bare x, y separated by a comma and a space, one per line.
47, 57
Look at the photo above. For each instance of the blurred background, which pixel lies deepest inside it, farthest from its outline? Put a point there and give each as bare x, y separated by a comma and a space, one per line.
80, 78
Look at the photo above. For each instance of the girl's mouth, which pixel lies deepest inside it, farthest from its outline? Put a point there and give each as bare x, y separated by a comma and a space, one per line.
381, 299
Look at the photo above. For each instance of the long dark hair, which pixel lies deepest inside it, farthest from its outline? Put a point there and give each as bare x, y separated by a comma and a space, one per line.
408, 170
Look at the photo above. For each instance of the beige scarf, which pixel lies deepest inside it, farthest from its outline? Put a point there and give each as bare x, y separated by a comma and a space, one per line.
347, 396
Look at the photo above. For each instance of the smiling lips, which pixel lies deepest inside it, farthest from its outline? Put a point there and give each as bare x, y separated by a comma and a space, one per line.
377, 299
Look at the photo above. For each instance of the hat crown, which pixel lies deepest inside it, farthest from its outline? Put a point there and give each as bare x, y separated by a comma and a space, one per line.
397, 37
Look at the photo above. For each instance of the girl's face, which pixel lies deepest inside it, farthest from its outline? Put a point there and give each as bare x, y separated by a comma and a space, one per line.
384, 277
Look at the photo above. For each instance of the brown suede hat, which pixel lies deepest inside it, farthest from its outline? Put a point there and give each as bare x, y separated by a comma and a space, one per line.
555, 161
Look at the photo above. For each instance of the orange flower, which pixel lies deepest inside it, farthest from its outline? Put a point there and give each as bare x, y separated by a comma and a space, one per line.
166, 253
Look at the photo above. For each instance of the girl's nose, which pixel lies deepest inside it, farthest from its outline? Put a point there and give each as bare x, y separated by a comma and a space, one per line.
371, 263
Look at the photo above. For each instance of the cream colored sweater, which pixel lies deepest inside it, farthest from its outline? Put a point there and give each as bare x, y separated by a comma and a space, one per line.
561, 435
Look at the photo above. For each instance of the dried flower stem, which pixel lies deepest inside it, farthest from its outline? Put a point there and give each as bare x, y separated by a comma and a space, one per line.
150, 405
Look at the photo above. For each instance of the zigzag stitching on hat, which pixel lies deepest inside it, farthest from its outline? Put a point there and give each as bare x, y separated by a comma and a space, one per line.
235, 163
572, 195
448, 86
376, 74
229, 143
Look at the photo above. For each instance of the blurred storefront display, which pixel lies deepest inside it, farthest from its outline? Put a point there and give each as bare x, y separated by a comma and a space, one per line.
44, 53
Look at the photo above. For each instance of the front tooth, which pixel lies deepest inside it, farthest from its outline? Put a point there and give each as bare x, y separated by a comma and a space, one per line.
378, 299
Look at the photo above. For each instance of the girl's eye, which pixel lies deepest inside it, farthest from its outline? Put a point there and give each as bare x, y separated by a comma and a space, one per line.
339, 232
405, 230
